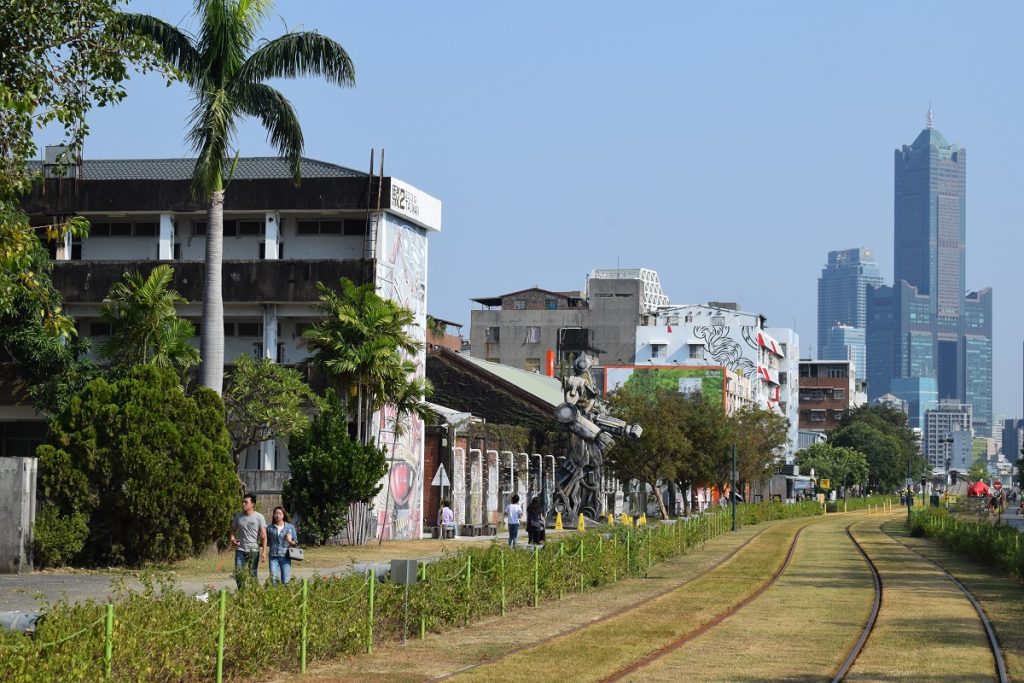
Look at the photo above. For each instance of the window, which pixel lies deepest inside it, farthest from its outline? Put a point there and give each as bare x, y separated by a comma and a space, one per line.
532, 365
353, 226
493, 334
817, 416
782, 347
840, 371
696, 350
837, 414
718, 320
813, 395
519, 304
783, 378
146, 229
688, 318
532, 335
249, 329
673, 320
250, 227
658, 351
551, 304
99, 329
329, 226
839, 394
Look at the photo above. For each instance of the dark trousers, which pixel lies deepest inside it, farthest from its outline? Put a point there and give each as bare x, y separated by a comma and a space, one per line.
246, 560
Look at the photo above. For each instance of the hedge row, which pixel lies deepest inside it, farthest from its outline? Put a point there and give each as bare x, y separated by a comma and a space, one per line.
162, 634
994, 545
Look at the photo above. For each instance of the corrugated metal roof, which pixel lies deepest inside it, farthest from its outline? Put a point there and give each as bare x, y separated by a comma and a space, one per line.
249, 168
543, 387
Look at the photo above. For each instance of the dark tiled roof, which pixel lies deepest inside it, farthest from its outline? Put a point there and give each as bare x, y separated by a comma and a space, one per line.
249, 168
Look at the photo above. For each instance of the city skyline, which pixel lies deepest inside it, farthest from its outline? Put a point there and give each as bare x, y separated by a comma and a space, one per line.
727, 147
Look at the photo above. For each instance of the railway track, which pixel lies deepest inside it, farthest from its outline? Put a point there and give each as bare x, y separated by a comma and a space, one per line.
607, 617
676, 643
872, 617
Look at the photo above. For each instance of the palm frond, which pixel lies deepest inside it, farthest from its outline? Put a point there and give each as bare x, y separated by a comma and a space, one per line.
174, 45
303, 53
212, 126
278, 116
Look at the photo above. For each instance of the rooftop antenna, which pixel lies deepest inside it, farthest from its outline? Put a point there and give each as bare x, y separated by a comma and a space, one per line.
931, 117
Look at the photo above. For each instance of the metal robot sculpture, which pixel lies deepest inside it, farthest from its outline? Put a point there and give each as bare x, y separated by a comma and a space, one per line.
592, 432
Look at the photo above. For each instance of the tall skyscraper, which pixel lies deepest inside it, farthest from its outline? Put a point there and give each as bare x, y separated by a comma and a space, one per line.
842, 305
926, 324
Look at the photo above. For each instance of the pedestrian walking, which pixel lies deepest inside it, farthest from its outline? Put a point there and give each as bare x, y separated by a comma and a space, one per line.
249, 538
535, 521
281, 536
513, 513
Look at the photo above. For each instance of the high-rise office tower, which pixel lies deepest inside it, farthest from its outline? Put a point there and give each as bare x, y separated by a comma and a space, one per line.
926, 324
842, 305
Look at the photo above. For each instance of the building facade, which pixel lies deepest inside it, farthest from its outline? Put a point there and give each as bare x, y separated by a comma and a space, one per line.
279, 242
927, 324
828, 390
945, 423
842, 304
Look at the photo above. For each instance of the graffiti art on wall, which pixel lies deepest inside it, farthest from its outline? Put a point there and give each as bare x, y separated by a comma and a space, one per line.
402, 277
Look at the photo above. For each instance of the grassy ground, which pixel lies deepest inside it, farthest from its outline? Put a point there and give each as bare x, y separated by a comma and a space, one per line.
800, 629
926, 630
443, 653
1001, 597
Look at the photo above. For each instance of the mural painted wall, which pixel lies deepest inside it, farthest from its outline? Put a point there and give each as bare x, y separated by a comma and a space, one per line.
708, 381
401, 253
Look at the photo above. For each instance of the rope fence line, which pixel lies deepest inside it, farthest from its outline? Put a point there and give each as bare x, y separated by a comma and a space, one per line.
595, 558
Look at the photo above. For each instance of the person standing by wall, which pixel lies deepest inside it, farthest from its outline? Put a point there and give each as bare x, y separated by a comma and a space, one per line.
249, 537
514, 513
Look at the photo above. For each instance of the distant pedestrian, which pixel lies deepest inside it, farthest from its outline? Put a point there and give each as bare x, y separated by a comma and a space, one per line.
249, 537
446, 518
535, 521
513, 512
281, 535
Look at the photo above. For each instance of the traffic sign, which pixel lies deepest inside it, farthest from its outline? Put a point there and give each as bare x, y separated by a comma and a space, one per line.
997, 485
825, 484
441, 478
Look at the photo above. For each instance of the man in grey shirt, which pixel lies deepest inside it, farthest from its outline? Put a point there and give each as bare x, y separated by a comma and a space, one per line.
249, 537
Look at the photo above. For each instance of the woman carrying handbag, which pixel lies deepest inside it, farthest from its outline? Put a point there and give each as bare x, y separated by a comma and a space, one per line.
283, 541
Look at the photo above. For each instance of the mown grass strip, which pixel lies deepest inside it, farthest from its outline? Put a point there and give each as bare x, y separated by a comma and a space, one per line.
599, 651
1001, 597
800, 629
926, 629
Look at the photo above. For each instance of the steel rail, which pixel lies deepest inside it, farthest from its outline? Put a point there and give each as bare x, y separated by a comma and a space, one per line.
606, 617
993, 640
872, 618
719, 618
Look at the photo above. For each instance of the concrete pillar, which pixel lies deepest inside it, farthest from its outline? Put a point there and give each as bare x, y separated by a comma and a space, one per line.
18, 507
475, 503
165, 250
270, 332
64, 247
272, 236
491, 517
458, 491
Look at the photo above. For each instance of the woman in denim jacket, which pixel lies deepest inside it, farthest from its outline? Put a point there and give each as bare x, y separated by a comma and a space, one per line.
281, 535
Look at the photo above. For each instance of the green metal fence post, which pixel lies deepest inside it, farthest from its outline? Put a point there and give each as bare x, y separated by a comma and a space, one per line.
423, 613
108, 640
305, 621
536, 575
582, 538
561, 554
469, 580
502, 556
369, 622
220, 635
629, 534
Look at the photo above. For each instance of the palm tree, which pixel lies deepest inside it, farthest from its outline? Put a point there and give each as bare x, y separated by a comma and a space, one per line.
360, 341
227, 76
144, 325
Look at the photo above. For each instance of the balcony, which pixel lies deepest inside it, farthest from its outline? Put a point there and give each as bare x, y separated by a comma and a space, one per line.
284, 281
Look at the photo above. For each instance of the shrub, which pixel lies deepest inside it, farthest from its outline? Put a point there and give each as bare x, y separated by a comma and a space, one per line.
147, 466
330, 470
57, 538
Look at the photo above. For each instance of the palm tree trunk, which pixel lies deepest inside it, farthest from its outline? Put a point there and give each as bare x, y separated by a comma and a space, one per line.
211, 341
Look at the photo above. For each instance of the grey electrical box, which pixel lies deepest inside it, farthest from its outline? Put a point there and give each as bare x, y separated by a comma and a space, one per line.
404, 571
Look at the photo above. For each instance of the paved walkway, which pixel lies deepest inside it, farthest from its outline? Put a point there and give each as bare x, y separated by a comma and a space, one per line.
1014, 520
28, 592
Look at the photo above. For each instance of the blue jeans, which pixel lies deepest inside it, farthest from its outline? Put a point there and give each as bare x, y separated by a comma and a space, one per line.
513, 534
280, 569
243, 559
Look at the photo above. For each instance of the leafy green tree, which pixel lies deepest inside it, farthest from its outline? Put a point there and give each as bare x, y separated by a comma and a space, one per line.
657, 455
760, 437
148, 467
330, 470
60, 59
228, 75
144, 324
362, 341
883, 435
843, 466
265, 400
978, 470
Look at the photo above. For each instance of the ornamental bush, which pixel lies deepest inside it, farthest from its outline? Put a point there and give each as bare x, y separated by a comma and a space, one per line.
330, 470
146, 466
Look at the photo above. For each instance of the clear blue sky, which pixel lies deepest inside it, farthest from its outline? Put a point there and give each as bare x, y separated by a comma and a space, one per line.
727, 145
